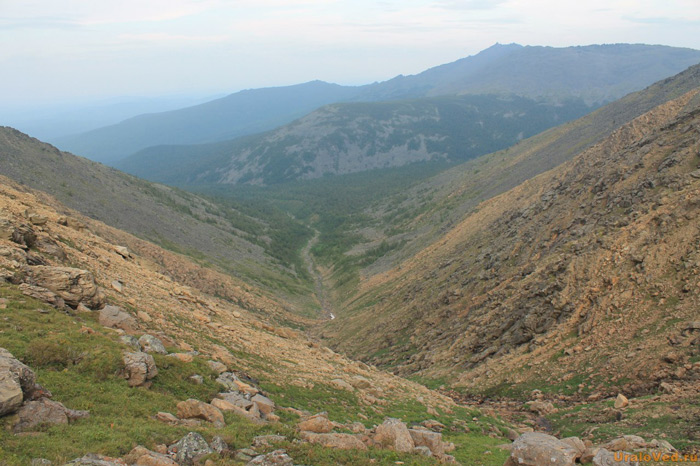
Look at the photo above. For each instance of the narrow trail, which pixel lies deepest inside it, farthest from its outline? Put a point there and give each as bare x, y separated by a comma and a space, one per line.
319, 288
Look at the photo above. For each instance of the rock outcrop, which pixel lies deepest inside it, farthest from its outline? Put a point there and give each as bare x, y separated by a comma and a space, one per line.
75, 286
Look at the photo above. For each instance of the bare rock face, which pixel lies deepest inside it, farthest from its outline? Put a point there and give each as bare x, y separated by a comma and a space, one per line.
393, 433
116, 317
139, 368
45, 412
537, 449
318, 423
199, 410
17, 383
339, 441
151, 344
48, 246
75, 286
189, 448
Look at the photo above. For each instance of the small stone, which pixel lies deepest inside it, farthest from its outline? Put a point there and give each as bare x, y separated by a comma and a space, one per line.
621, 401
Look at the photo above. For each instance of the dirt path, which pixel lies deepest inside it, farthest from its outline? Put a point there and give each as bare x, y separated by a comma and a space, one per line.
319, 288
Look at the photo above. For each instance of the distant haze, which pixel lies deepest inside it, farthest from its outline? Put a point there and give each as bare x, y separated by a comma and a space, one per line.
84, 50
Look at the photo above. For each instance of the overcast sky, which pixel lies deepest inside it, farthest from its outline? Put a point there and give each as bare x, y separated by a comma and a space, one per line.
83, 49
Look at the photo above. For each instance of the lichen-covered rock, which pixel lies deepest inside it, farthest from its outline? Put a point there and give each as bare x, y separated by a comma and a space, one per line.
151, 344
393, 433
430, 439
199, 410
265, 405
139, 368
75, 286
537, 449
189, 448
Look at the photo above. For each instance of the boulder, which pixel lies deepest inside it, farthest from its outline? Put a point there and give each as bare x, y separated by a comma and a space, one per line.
430, 439
42, 294
537, 449
275, 458
265, 405
360, 382
151, 344
577, 444
393, 433
23, 234
199, 410
75, 286
318, 423
17, 383
228, 380
44, 412
48, 246
122, 251
339, 441
189, 448
141, 456
116, 317
139, 368
608, 458
433, 425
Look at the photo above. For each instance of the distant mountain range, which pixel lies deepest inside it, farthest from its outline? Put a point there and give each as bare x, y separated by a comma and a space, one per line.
594, 74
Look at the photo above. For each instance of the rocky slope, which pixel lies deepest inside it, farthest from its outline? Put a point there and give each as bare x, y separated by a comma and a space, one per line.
73, 299
585, 275
356, 137
175, 219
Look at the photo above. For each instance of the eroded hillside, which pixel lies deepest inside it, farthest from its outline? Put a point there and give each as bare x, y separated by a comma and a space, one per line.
586, 274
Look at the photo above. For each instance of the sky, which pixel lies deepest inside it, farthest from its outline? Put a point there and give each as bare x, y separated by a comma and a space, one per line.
78, 50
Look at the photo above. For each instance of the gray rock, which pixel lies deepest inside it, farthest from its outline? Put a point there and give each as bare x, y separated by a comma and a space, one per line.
93, 459
393, 433
139, 368
608, 458
276, 458
265, 405
218, 445
198, 379
189, 448
537, 449
116, 317
267, 440
423, 451
228, 380
237, 399
131, 341
40, 462
217, 366
44, 412
151, 344
17, 383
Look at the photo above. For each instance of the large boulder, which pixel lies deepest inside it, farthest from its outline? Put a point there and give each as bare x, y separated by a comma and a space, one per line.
195, 409
139, 368
75, 286
189, 448
151, 344
339, 441
265, 405
45, 412
537, 449
116, 317
394, 434
17, 383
